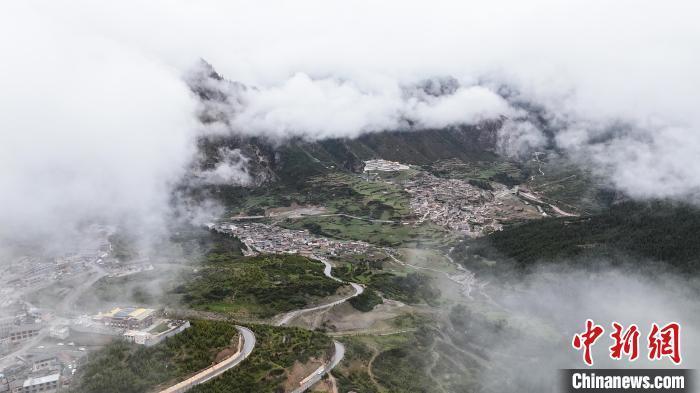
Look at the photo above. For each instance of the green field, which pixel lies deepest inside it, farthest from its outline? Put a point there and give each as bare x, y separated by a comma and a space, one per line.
382, 234
338, 191
506, 172
350, 194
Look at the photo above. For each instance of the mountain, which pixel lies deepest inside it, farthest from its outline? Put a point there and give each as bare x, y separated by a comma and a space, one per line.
295, 159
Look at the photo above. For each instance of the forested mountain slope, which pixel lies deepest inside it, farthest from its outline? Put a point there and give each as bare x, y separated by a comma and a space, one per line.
658, 231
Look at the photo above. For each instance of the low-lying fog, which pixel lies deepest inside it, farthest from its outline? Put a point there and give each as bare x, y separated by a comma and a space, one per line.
551, 305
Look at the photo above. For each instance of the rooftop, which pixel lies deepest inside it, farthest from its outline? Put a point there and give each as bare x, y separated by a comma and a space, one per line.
40, 380
128, 312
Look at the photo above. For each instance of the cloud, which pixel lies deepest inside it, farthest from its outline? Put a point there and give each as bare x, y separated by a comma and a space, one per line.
91, 130
329, 108
468, 105
520, 139
646, 162
316, 109
97, 122
231, 169
551, 305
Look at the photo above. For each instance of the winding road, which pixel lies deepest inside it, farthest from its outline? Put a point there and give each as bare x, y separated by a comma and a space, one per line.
317, 376
214, 371
357, 218
339, 347
241, 218
327, 271
288, 317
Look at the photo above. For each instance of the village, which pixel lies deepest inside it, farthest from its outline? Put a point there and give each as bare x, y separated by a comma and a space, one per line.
473, 208
43, 347
271, 239
460, 206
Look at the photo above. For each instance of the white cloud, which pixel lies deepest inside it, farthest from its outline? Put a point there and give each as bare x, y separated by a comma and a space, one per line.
559, 302
90, 129
465, 106
96, 121
326, 108
520, 139
645, 163
316, 109
231, 169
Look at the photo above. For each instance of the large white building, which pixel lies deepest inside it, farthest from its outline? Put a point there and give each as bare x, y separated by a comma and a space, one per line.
127, 317
384, 166
148, 338
60, 332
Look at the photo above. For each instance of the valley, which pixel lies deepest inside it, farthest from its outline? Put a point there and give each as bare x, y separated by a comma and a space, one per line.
326, 196
384, 279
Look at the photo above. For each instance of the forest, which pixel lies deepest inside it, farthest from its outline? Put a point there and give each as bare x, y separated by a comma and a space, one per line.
123, 367
657, 231
260, 286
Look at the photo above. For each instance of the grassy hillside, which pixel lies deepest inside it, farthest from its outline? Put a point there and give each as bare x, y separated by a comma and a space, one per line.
261, 286
218, 278
421, 147
405, 362
568, 186
267, 368
411, 288
397, 363
338, 191
297, 160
